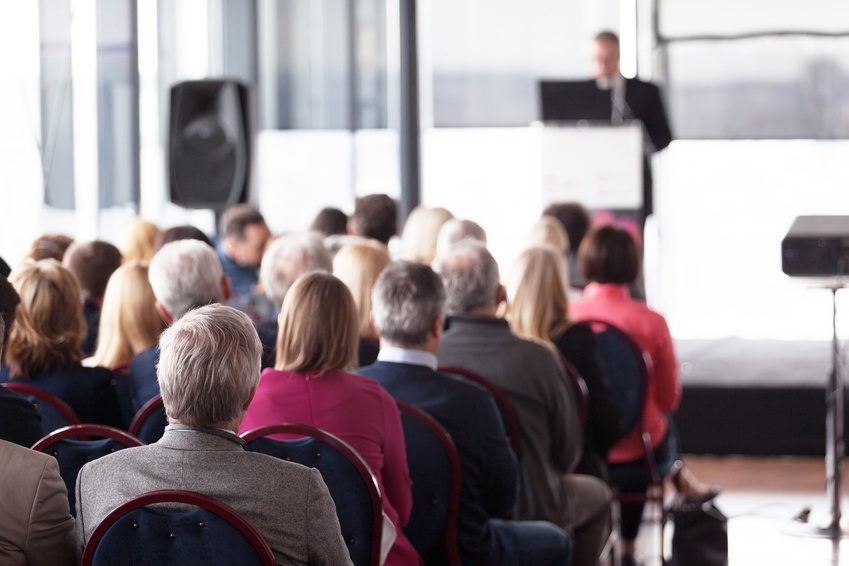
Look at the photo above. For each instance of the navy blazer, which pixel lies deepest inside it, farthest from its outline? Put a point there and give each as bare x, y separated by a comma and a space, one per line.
469, 414
19, 419
143, 375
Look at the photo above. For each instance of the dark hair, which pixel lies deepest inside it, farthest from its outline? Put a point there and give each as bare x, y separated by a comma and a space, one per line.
607, 36
49, 246
574, 218
330, 221
92, 263
9, 301
185, 232
609, 255
375, 216
236, 218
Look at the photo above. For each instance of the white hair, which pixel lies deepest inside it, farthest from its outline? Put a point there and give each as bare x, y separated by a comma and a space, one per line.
288, 258
455, 231
185, 274
470, 275
209, 364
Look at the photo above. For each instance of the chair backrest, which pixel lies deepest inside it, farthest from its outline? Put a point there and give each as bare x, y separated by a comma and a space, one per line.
55, 413
505, 407
582, 394
73, 453
351, 483
437, 476
150, 421
210, 534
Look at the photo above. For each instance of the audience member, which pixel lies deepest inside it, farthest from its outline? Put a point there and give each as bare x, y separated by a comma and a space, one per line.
184, 232
208, 372
36, 527
418, 240
330, 222
336, 242
49, 246
576, 221
611, 261
92, 263
185, 274
375, 217
129, 321
5, 270
533, 379
408, 307
311, 383
44, 346
548, 230
358, 266
539, 311
139, 241
455, 231
243, 236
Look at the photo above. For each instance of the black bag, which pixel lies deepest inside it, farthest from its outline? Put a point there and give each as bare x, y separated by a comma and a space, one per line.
700, 537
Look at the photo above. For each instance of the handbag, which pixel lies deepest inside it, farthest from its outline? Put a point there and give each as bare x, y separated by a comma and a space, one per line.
700, 537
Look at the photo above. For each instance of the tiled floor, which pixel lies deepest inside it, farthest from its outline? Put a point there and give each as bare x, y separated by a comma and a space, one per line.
761, 497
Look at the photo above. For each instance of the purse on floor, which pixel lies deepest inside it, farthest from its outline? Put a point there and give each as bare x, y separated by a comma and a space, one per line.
700, 537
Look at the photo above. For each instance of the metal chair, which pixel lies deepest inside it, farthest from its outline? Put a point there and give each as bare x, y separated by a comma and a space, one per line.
351, 483
150, 421
73, 449
211, 534
437, 476
55, 413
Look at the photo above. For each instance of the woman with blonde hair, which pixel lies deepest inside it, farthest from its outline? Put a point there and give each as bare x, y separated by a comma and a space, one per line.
311, 383
418, 240
548, 230
539, 311
139, 242
44, 346
129, 322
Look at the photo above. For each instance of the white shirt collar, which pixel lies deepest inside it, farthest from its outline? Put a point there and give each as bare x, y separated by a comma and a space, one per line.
408, 356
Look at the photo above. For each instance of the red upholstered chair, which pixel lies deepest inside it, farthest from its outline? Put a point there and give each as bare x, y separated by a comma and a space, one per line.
210, 534
55, 413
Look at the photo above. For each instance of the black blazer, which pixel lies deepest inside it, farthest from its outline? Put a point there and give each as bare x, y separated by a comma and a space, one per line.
19, 419
645, 104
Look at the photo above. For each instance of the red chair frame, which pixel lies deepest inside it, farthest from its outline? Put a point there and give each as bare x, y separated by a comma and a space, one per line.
190, 498
55, 402
83, 432
153, 404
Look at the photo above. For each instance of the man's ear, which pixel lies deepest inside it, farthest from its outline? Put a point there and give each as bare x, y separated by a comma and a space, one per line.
226, 289
436, 326
164, 313
250, 398
500, 295
372, 324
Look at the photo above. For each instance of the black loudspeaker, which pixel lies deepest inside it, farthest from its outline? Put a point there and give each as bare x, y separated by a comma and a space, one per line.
210, 144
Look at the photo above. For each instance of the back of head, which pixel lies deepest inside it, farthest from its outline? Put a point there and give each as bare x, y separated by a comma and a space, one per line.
92, 263
609, 255
455, 231
549, 231
49, 246
407, 298
470, 275
139, 242
209, 364
376, 217
538, 295
184, 275
358, 266
236, 218
9, 301
330, 222
50, 327
289, 257
318, 326
418, 241
574, 218
185, 232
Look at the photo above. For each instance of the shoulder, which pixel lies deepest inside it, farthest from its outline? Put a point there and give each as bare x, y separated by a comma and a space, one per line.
23, 457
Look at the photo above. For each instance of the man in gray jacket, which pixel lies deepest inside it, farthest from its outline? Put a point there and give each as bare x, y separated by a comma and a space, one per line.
533, 379
208, 372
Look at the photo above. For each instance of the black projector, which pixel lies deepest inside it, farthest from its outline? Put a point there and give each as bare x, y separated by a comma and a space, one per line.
816, 246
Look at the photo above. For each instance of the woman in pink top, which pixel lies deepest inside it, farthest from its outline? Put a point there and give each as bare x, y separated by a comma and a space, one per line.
610, 260
316, 348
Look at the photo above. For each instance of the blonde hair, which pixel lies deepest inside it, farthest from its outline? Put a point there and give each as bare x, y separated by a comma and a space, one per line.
358, 266
538, 295
318, 326
418, 241
129, 322
548, 230
50, 327
139, 242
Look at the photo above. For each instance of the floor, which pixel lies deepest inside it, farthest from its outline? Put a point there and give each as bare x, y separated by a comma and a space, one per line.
761, 497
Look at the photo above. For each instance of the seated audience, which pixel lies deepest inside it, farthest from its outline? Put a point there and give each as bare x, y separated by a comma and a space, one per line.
243, 238
311, 383
208, 372
139, 241
455, 231
611, 261
129, 321
183, 275
533, 379
408, 312
44, 346
330, 222
92, 263
548, 230
375, 217
358, 266
539, 311
49, 246
576, 221
184, 232
418, 240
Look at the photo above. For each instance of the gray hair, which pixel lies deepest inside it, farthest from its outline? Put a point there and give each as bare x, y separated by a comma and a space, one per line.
209, 364
470, 275
288, 258
455, 231
185, 274
406, 299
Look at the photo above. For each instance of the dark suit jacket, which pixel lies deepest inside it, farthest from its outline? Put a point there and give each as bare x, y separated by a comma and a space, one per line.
19, 419
143, 375
645, 104
468, 413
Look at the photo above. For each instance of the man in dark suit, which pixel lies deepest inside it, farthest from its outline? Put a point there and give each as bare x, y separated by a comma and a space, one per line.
408, 301
631, 99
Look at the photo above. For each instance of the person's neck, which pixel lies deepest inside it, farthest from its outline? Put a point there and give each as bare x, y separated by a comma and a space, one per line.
484, 311
430, 347
232, 426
